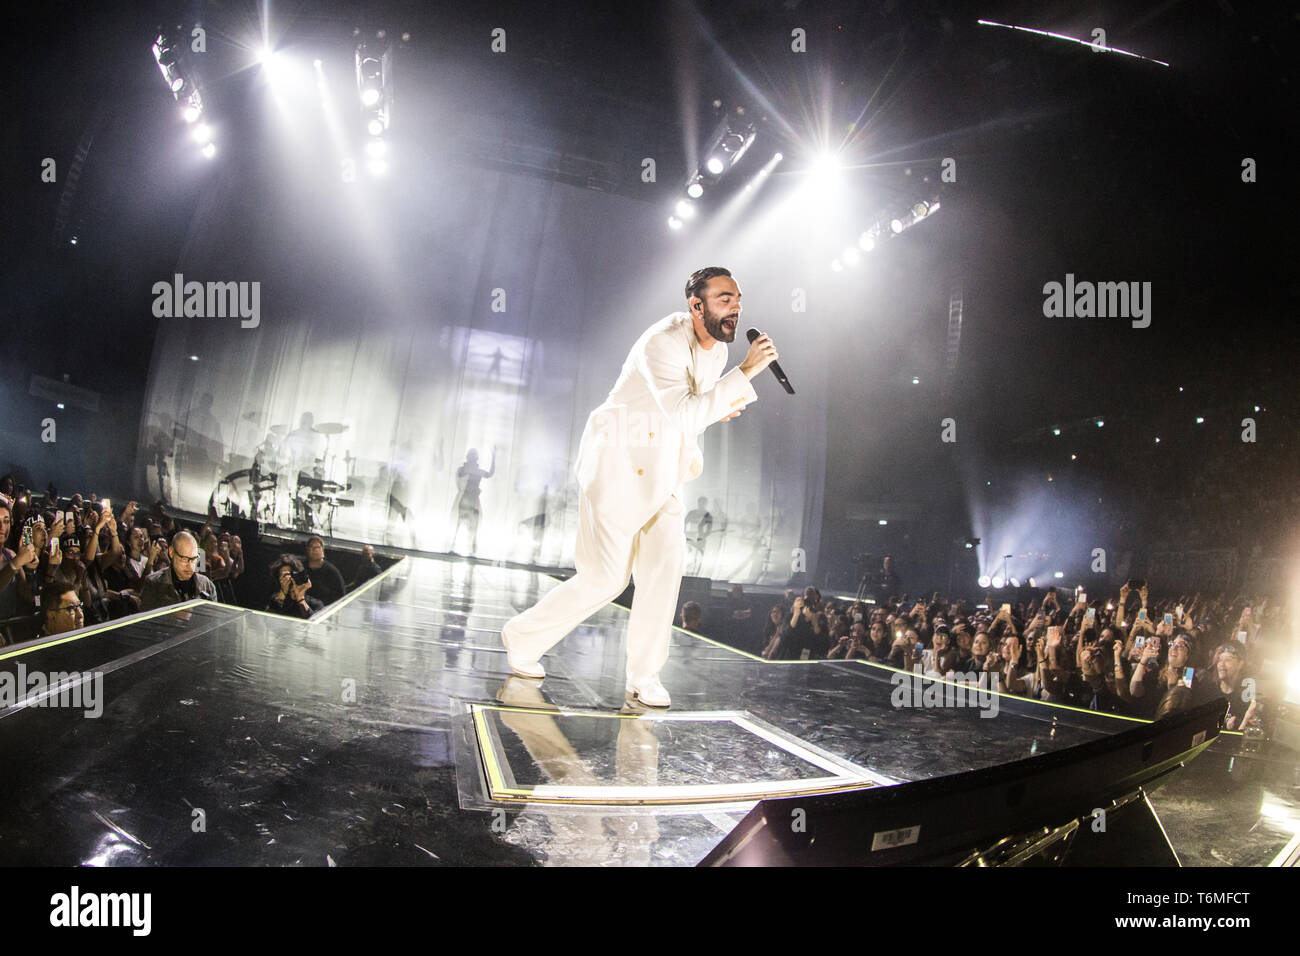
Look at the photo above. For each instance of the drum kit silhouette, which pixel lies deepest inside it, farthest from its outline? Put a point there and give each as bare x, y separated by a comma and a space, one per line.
282, 488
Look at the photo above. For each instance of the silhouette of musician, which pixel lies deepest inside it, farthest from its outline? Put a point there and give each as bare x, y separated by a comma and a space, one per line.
468, 508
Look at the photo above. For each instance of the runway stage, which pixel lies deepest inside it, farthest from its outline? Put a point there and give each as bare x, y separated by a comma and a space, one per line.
389, 732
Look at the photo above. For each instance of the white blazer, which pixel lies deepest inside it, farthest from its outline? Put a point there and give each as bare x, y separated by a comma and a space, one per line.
640, 445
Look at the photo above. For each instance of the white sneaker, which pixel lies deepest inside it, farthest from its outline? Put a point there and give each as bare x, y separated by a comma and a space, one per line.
649, 692
533, 670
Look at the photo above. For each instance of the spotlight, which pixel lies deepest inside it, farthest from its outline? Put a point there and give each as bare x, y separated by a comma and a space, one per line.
882, 521
193, 108
376, 149
972, 542
209, 150
695, 190
194, 358
374, 73
730, 139
1058, 574
1100, 423
203, 133
369, 79
851, 256
920, 210
377, 167
164, 52
916, 380
1015, 582
264, 55
60, 406
778, 157
375, 127
998, 581
984, 581
897, 225
866, 241
1056, 431
1033, 583
1200, 420
837, 266
674, 222
684, 209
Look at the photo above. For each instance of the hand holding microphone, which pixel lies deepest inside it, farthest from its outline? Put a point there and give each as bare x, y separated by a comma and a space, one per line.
762, 353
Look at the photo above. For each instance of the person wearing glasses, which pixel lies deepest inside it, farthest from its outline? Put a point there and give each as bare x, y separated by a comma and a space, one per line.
61, 611
180, 581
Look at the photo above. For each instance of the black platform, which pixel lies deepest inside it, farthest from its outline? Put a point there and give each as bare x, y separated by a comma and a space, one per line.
389, 732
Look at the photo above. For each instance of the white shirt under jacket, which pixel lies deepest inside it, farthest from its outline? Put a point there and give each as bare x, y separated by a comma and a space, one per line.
641, 444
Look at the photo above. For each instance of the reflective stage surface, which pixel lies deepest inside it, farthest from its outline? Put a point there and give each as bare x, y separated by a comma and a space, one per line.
392, 733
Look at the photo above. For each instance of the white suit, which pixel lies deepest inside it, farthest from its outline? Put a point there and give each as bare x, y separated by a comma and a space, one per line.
637, 449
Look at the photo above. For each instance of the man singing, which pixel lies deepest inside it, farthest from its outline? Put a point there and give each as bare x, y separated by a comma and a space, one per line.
636, 451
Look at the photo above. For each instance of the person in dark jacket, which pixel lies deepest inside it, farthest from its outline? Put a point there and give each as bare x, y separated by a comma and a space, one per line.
179, 582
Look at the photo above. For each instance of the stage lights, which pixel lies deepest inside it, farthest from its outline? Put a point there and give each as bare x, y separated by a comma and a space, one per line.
871, 237
985, 581
184, 90
730, 141
374, 67
370, 77
193, 108
164, 53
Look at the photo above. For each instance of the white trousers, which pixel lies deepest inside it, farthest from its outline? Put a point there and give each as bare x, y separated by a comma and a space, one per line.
605, 558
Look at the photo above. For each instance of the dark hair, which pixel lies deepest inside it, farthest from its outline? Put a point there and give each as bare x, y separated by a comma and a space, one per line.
285, 560
700, 278
55, 589
692, 609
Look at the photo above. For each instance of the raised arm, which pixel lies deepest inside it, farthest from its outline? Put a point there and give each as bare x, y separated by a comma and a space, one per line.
664, 362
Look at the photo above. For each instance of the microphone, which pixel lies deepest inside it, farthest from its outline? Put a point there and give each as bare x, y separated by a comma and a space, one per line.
752, 334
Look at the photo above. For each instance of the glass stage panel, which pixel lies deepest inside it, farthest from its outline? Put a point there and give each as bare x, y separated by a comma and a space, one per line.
598, 758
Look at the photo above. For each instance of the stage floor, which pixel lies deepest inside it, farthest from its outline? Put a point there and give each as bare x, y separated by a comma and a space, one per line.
390, 732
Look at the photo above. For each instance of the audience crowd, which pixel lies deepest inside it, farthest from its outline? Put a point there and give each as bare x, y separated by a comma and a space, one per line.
1118, 653
67, 562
